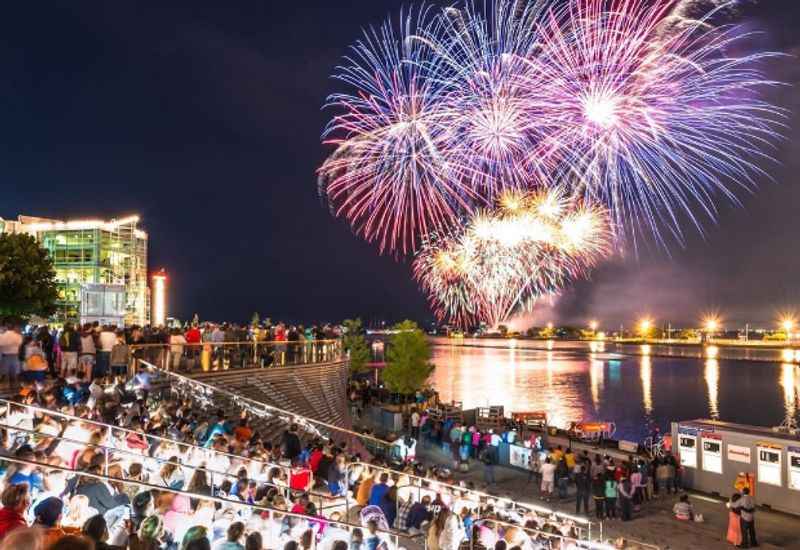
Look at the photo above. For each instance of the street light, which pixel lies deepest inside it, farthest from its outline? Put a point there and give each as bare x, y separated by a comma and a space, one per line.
644, 327
593, 325
788, 324
711, 325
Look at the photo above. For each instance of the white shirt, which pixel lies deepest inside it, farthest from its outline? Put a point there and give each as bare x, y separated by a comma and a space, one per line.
177, 341
87, 345
107, 340
548, 471
415, 419
10, 342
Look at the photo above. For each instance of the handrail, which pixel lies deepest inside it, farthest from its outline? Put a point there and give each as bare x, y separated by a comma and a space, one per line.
236, 342
66, 416
109, 451
578, 542
217, 499
106, 449
239, 398
587, 523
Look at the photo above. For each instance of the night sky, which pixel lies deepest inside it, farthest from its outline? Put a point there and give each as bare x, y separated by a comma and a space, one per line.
204, 118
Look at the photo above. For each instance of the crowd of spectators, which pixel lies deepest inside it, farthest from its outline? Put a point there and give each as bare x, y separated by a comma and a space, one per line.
77, 453
95, 351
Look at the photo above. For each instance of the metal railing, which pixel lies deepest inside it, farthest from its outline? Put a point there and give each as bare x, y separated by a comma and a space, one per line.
537, 538
318, 427
585, 527
200, 456
217, 356
119, 429
392, 538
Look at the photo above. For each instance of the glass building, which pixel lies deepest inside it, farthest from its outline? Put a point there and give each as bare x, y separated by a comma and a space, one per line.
92, 252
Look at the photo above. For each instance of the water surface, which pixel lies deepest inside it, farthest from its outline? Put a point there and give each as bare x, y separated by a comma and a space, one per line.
634, 392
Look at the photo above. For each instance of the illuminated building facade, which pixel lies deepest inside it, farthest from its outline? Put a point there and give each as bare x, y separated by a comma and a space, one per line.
159, 299
93, 252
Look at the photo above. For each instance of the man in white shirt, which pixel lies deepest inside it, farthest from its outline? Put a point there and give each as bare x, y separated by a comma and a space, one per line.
106, 341
10, 342
548, 471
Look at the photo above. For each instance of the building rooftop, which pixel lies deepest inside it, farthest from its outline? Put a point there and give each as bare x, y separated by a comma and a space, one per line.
718, 425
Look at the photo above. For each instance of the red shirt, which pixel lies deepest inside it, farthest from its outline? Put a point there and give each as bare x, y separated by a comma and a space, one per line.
10, 520
314, 460
193, 336
299, 480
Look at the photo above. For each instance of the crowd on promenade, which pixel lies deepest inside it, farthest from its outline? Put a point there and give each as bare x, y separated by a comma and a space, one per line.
95, 351
601, 486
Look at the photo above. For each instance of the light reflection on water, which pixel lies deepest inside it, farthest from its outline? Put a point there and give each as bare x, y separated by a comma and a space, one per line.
634, 392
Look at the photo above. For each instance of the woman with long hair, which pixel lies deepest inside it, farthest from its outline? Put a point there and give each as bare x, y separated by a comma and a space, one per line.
734, 521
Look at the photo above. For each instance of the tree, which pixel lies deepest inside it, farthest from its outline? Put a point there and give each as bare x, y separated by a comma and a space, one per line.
355, 345
255, 320
408, 357
27, 279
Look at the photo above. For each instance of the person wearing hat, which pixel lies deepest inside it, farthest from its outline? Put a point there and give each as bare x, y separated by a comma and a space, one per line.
48, 517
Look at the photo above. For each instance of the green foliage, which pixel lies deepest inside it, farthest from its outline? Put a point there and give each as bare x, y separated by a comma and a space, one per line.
27, 278
408, 357
503, 330
355, 344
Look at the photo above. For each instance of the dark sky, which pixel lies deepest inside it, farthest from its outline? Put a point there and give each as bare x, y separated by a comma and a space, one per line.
204, 118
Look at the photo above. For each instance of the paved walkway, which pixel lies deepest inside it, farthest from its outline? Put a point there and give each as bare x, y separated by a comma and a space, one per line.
654, 524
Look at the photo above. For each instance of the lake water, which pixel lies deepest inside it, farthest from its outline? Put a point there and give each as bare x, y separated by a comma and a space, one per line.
633, 392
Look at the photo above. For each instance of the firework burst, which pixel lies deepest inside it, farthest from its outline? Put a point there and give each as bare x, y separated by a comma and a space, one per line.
531, 244
656, 120
389, 175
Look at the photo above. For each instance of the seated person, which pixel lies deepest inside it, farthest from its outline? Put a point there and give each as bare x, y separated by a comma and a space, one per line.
683, 509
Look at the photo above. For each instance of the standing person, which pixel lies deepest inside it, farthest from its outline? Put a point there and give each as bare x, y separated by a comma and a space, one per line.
611, 497
10, 344
599, 495
107, 340
562, 477
88, 353
177, 341
664, 477
548, 478
747, 509
583, 485
120, 356
487, 457
415, 417
70, 345
47, 344
734, 535
625, 490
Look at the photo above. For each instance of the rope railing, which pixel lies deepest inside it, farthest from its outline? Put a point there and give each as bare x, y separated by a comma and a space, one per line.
392, 537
